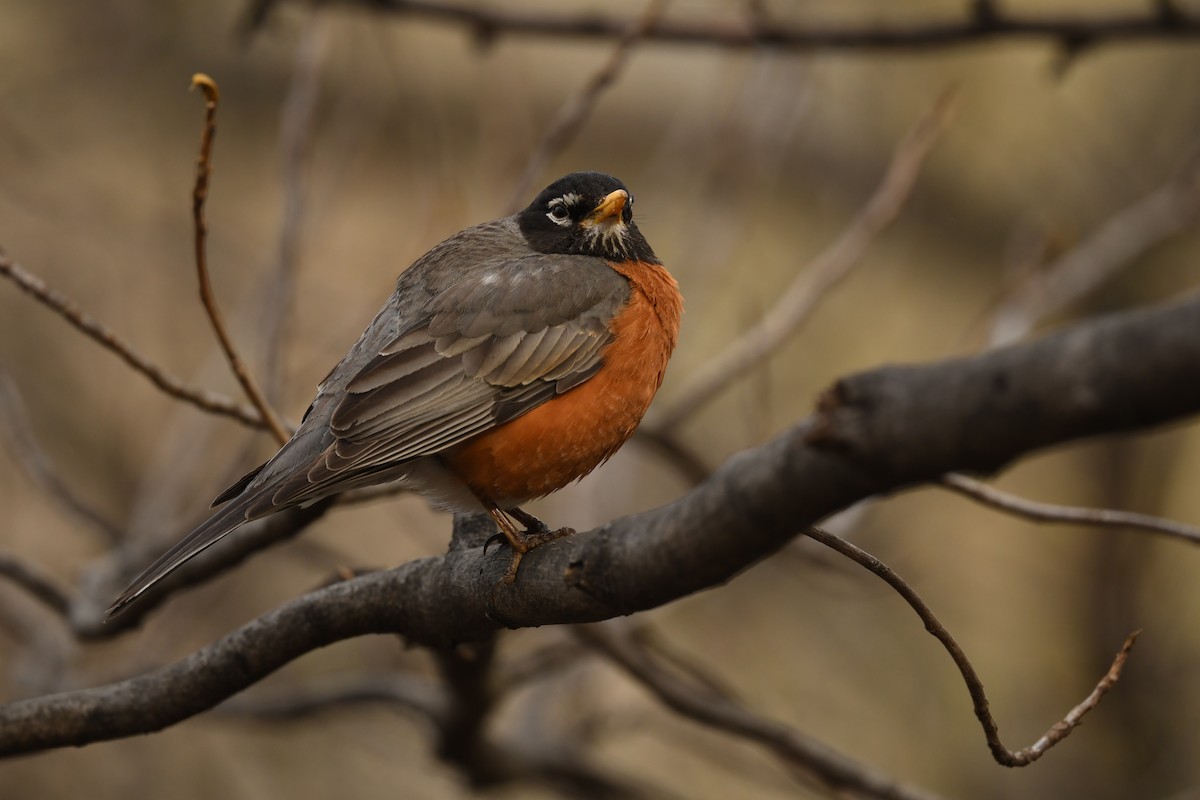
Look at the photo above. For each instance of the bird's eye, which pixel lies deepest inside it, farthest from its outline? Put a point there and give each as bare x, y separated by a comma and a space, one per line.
559, 213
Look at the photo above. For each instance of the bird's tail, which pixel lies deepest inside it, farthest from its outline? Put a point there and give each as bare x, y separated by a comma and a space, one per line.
208, 533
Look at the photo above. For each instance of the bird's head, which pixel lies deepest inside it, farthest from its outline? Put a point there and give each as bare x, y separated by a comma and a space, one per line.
588, 213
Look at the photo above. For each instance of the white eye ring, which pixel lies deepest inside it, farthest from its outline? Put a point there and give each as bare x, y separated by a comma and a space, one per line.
559, 214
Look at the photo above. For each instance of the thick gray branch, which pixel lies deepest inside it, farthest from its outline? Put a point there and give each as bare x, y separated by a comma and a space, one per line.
875, 432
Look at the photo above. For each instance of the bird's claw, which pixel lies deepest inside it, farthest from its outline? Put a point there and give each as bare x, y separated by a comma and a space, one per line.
522, 542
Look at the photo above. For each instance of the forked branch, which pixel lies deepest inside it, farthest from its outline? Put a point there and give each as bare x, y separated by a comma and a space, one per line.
1009, 758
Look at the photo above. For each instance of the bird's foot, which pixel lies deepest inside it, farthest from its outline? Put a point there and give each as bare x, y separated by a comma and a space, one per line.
536, 534
527, 541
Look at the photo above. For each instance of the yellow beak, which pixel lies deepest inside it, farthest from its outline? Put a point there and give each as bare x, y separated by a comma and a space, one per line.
610, 208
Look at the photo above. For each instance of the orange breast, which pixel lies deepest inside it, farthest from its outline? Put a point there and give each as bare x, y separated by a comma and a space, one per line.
567, 437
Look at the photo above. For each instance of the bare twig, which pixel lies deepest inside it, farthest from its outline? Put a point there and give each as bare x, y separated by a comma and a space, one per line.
577, 108
203, 399
738, 30
810, 286
16, 428
702, 704
1074, 717
396, 689
39, 586
295, 135
1050, 512
199, 195
645, 637
1113, 246
1004, 756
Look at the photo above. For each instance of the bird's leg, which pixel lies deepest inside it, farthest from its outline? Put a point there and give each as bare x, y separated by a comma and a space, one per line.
536, 533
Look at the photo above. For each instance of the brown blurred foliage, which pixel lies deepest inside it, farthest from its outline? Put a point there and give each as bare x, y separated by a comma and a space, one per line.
745, 164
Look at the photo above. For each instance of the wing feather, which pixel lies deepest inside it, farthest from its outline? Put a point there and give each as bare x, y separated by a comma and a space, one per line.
515, 370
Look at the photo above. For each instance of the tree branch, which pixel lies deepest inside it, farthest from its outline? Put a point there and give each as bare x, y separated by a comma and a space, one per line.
1115, 245
875, 432
489, 759
1072, 32
14, 426
725, 714
203, 399
39, 586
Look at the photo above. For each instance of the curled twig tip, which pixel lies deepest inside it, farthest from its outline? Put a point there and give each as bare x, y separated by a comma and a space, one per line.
204, 83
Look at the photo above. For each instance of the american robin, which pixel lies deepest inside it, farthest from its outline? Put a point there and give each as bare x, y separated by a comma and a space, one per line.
513, 358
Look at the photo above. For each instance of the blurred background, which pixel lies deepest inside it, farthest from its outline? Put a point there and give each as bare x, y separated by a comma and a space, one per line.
746, 163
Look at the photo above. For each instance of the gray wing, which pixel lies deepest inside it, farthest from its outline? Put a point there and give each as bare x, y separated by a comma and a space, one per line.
488, 349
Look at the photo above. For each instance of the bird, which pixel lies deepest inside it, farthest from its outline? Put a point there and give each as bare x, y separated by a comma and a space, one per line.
511, 360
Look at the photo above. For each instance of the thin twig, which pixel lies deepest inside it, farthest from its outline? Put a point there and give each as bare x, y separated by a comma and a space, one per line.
1115, 245
212, 402
577, 108
737, 30
40, 587
1004, 756
826, 271
199, 194
644, 636
707, 707
1074, 717
1050, 512
395, 688
295, 137
16, 429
